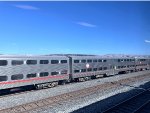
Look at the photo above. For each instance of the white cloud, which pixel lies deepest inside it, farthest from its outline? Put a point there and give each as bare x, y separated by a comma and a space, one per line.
86, 24
147, 41
28, 7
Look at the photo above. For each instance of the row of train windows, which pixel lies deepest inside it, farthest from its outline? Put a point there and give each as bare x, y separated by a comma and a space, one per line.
125, 66
141, 65
100, 68
89, 61
141, 59
32, 75
31, 62
126, 60
90, 69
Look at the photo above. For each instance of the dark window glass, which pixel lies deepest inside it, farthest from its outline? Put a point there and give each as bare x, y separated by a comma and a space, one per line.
31, 62
100, 68
31, 75
83, 70
95, 60
44, 61
3, 62
89, 60
105, 68
99, 60
76, 71
3, 78
17, 62
17, 77
128, 60
64, 72
104, 60
54, 73
63, 61
76, 61
95, 69
54, 61
119, 60
89, 69
83, 61
43, 74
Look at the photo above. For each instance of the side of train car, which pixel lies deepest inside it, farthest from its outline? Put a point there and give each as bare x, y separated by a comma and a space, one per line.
48, 71
27, 70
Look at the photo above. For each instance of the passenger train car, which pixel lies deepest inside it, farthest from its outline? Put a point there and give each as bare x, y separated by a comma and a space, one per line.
18, 71
48, 71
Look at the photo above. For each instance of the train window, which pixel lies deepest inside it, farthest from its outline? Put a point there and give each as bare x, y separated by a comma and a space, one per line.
105, 68
3, 78
95, 60
3, 62
54, 73
17, 77
31, 62
17, 62
89, 69
64, 72
83, 61
99, 60
31, 75
119, 67
63, 61
54, 61
128, 60
95, 69
76, 61
100, 68
44, 61
89, 60
76, 71
125, 60
104, 60
118, 60
83, 70
43, 74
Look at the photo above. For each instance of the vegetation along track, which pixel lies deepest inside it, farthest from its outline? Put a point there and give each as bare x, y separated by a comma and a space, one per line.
135, 104
70, 95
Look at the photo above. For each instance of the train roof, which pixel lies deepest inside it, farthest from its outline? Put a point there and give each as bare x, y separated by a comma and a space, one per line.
109, 56
31, 56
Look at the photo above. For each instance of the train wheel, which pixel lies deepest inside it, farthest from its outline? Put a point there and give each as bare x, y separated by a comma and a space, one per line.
39, 86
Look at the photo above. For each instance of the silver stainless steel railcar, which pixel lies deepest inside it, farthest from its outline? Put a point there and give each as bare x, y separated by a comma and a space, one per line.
16, 71
142, 63
41, 71
91, 66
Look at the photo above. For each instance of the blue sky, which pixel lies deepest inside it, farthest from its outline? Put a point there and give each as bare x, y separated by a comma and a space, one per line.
75, 27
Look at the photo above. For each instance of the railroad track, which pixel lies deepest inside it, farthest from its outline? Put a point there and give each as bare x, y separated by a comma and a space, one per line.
68, 96
139, 103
